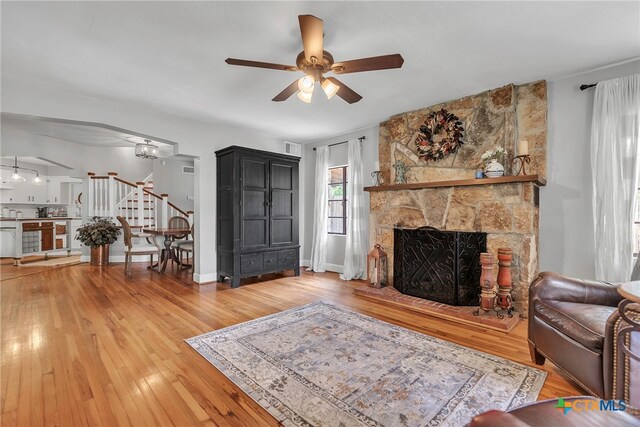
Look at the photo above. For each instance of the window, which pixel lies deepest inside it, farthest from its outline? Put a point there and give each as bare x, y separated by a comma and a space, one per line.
338, 200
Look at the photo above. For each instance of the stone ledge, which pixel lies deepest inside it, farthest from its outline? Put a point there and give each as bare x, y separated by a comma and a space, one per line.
536, 179
460, 314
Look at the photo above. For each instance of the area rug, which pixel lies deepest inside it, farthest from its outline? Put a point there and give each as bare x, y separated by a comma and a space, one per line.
322, 365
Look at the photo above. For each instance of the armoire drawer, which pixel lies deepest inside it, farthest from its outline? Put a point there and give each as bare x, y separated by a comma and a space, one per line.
287, 258
270, 260
251, 263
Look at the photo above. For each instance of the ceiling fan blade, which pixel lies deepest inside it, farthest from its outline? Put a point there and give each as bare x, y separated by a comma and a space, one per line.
285, 94
383, 62
345, 92
257, 64
311, 29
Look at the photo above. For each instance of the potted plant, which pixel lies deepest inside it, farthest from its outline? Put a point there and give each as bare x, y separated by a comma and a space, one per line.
98, 235
491, 159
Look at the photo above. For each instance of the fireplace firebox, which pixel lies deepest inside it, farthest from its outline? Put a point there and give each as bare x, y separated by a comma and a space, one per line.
442, 266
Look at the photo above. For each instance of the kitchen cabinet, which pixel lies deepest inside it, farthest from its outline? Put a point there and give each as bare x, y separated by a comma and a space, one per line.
7, 242
75, 224
53, 190
56, 190
27, 193
46, 236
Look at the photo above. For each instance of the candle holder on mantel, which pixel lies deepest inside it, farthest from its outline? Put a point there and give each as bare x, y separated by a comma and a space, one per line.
376, 178
520, 162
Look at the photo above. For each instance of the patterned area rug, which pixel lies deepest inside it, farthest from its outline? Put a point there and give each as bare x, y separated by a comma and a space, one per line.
322, 365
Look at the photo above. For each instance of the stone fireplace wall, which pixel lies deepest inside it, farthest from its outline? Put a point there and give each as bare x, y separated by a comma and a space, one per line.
506, 212
498, 117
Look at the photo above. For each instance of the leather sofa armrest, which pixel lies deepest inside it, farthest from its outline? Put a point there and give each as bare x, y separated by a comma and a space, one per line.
496, 418
554, 286
621, 375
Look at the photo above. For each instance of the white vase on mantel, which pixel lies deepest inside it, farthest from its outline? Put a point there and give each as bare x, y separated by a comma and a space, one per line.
494, 169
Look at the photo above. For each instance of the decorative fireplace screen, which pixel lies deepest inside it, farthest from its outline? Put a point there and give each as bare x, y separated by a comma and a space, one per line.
441, 266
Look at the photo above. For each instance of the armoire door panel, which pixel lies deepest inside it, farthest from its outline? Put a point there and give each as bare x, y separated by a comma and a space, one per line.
254, 173
254, 204
281, 176
281, 232
254, 233
282, 203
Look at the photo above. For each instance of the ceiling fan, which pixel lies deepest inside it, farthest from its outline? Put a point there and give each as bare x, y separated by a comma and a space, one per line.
314, 62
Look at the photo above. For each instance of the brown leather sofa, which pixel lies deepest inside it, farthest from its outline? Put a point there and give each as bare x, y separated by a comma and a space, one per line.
574, 324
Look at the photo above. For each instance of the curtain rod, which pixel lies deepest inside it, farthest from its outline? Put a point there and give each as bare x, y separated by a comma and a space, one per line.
362, 138
585, 87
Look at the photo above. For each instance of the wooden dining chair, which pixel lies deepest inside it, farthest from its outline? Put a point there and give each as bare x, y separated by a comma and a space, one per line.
131, 249
178, 222
187, 247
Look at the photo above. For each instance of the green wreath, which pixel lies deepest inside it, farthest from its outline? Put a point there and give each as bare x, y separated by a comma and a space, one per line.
436, 123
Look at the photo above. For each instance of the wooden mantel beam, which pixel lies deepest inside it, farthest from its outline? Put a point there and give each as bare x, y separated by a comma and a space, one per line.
461, 182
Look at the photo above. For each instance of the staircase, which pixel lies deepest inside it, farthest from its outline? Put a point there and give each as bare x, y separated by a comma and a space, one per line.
111, 196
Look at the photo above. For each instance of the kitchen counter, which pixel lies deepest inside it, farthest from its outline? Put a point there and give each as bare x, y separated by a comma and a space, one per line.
26, 236
51, 218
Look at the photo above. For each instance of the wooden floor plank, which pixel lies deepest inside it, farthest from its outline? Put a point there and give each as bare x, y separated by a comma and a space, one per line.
84, 345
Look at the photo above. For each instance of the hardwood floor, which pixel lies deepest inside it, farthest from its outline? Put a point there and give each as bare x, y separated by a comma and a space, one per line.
85, 346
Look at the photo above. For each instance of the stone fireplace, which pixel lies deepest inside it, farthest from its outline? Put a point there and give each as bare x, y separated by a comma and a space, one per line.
443, 194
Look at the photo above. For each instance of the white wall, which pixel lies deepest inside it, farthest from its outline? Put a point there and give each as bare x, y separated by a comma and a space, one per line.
338, 157
566, 216
195, 138
168, 178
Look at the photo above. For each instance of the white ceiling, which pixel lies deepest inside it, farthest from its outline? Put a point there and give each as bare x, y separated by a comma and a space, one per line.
169, 56
9, 160
90, 134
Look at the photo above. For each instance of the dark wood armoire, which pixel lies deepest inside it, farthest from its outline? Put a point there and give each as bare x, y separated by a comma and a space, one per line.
256, 214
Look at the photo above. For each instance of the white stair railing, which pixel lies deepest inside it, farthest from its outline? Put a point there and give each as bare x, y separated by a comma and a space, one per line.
111, 196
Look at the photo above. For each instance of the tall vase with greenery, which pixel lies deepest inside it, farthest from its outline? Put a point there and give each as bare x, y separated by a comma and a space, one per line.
98, 235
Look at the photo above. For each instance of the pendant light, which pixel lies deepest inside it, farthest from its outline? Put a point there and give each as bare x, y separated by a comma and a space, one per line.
37, 180
15, 176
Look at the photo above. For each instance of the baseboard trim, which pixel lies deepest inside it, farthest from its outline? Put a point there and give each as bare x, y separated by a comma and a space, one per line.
205, 278
334, 267
120, 258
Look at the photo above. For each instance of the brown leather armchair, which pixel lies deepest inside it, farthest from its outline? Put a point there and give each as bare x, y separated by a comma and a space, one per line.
574, 324
546, 413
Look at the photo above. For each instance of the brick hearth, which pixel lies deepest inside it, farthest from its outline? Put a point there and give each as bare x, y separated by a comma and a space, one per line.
459, 314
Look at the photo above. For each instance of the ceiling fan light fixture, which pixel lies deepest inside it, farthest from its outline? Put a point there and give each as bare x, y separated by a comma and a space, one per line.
305, 96
329, 88
306, 84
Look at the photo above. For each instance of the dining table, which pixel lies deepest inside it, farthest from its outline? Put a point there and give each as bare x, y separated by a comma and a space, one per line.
167, 253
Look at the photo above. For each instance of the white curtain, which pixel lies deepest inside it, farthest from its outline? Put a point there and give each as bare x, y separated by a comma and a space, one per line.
355, 251
615, 165
320, 209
